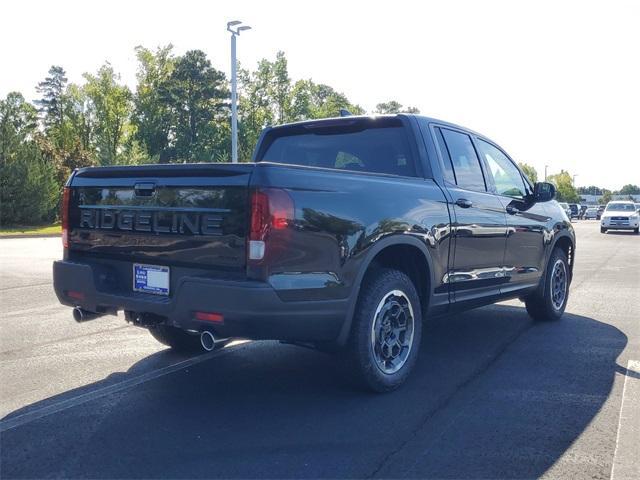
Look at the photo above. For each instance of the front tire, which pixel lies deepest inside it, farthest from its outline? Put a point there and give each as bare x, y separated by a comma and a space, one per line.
177, 339
386, 330
603, 230
636, 230
549, 303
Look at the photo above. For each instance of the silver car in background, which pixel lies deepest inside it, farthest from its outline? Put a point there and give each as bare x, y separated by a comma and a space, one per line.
591, 213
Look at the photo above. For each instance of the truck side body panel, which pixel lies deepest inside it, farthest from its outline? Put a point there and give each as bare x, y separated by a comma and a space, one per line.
340, 216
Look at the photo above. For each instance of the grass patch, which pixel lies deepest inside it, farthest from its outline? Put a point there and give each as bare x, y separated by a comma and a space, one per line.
40, 230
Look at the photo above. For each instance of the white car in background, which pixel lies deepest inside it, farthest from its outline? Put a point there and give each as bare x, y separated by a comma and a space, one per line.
620, 215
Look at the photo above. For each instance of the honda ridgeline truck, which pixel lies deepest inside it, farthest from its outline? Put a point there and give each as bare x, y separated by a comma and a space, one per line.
343, 234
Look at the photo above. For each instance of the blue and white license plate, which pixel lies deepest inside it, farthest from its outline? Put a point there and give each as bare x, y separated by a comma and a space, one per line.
151, 279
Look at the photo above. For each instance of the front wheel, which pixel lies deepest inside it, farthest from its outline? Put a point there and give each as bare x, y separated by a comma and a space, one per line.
636, 230
386, 330
549, 303
603, 230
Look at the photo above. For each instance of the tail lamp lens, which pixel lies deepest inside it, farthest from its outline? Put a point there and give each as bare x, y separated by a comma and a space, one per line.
209, 317
272, 212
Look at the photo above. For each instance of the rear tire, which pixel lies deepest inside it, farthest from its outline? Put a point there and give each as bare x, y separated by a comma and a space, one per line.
603, 230
386, 330
549, 303
177, 339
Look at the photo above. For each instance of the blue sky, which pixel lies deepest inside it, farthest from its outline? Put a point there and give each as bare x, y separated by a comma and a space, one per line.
555, 83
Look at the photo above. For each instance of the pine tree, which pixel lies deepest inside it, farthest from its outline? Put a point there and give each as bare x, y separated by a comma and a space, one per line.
51, 104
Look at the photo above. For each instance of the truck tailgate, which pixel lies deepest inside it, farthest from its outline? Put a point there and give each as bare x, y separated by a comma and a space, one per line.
188, 215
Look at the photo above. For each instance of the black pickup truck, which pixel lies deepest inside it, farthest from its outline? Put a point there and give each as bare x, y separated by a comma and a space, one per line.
342, 234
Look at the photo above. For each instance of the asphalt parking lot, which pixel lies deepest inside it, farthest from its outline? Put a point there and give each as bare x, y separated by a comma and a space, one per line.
493, 396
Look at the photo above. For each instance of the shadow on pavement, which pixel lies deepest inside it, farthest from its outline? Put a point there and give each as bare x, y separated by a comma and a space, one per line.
493, 395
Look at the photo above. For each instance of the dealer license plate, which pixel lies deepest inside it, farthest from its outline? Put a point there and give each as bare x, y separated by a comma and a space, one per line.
151, 279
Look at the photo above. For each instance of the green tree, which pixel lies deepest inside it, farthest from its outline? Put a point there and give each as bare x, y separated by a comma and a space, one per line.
52, 89
281, 87
392, 106
112, 104
18, 122
606, 197
28, 189
152, 114
564, 187
68, 120
301, 100
198, 97
529, 171
630, 189
267, 96
388, 107
254, 106
78, 128
327, 102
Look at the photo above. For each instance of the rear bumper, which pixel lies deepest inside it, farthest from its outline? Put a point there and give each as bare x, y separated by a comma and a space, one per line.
250, 309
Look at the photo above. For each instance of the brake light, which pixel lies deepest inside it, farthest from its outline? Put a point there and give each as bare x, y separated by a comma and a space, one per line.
272, 212
209, 317
66, 198
75, 295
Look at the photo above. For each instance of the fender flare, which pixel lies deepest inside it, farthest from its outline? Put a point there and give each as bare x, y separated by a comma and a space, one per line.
557, 237
552, 245
373, 251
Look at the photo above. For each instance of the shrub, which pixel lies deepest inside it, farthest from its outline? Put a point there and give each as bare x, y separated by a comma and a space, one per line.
29, 193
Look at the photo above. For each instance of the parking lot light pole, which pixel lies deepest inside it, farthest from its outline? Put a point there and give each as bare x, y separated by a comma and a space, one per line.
545, 172
234, 88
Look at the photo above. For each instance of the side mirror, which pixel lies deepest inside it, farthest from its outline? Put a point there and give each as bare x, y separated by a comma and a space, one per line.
543, 192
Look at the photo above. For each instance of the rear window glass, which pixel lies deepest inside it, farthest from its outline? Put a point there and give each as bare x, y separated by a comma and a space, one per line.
376, 150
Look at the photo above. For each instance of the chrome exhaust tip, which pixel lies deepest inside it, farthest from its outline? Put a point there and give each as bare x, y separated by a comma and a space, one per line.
208, 341
81, 315
78, 314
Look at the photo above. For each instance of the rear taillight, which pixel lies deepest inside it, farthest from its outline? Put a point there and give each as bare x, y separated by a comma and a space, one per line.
64, 214
272, 212
209, 317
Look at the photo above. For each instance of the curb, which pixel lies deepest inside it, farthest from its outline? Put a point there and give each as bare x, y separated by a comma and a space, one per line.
26, 235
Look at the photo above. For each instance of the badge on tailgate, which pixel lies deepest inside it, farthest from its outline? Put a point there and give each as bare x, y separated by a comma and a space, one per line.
151, 279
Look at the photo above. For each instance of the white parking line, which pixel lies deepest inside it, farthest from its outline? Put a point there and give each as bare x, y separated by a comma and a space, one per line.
626, 459
108, 390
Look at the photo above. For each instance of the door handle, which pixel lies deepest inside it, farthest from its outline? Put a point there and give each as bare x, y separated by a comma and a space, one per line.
464, 203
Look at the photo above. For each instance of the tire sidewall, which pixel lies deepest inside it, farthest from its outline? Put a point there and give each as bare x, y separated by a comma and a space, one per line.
379, 284
551, 311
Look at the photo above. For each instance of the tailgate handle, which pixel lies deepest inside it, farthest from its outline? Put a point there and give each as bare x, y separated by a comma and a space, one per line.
145, 189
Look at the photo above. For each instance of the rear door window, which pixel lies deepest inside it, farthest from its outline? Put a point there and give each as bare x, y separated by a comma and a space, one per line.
376, 150
464, 160
447, 167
